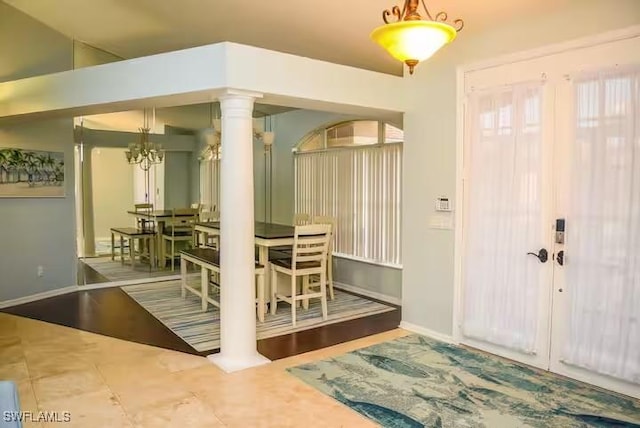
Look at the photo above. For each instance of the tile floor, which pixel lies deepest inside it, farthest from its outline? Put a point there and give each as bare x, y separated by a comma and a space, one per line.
107, 382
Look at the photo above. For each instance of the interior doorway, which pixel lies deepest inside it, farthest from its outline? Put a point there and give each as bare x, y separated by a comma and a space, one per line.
107, 189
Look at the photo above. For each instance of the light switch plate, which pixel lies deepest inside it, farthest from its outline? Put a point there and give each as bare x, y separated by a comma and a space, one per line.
444, 222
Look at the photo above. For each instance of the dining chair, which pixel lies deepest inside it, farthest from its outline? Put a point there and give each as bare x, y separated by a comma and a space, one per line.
180, 228
321, 219
310, 247
301, 218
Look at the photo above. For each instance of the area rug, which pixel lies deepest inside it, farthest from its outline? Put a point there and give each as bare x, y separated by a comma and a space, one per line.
414, 381
116, 271
201, 330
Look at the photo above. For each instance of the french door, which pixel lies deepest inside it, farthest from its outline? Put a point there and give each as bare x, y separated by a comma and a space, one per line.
551, 213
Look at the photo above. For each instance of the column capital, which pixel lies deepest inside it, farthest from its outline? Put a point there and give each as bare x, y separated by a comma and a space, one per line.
239, 94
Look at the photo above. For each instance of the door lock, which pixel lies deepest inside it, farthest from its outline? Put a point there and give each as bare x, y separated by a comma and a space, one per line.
560, 224
560, 257
543, 255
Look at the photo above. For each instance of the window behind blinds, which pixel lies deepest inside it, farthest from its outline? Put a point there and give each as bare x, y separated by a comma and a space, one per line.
361, 188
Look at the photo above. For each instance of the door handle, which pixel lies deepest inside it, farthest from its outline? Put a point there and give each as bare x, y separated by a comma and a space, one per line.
560, 257
543, 255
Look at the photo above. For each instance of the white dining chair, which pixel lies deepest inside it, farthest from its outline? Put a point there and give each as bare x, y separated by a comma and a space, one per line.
321, 219
179, 228
309, 257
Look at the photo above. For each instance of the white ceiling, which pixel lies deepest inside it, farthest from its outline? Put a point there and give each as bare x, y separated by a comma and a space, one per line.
331, 30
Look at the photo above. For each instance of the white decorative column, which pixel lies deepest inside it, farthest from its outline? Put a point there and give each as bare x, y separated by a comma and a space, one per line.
87, 202
238, 347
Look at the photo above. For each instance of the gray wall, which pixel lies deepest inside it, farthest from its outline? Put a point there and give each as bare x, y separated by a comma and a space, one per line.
177, 180
36, 231
85, 55
430, 142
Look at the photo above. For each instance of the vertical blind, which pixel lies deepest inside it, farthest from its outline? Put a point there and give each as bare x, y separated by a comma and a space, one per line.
361, 188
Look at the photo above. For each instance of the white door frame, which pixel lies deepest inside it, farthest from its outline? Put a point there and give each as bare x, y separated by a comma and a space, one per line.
462, 71
608, 37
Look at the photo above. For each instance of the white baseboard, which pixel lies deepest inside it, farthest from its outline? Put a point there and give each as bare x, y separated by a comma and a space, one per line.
72, 288
38, 296
426, 332
368, 293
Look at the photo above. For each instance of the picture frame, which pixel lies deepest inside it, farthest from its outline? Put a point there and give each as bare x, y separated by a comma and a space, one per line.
28, 173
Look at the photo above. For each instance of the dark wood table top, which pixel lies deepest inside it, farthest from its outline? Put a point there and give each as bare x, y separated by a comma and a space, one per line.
261, 230
207, 255
159, 214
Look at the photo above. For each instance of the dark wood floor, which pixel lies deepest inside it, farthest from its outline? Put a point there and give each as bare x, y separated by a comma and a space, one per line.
111, 312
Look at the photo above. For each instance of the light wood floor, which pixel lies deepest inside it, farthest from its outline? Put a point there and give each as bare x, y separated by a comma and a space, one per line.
108, 382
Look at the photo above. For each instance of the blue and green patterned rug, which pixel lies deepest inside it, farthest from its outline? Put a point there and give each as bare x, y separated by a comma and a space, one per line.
414, 381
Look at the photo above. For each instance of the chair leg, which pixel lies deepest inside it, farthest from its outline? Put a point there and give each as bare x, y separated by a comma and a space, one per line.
204, 287
183, 277
274, 290
293, 300
173, 247
121, 249
323, 297
132, 252
330, 274
113, 250
260, 297
305, 290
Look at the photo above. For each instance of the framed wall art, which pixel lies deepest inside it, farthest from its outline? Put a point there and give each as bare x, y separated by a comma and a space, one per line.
31, 173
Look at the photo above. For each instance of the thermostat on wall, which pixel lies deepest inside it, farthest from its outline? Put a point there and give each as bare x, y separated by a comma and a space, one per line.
443, 204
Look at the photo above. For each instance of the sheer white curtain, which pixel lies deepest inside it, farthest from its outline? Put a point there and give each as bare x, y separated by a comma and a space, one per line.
503, 217
361, 188
603, 226
210, 182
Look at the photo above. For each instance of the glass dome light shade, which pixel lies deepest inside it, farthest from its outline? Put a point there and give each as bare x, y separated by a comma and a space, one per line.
413, 41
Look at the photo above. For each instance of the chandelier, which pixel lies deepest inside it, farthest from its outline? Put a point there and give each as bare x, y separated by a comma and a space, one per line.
144, 152
411, 38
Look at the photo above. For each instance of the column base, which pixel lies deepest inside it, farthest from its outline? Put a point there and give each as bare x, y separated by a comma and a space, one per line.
233, 364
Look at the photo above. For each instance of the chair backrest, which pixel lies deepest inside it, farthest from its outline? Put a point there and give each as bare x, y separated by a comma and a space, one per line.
209, 216
143, 207
183, 219
324, 219
143, 223
311, 244
301, 218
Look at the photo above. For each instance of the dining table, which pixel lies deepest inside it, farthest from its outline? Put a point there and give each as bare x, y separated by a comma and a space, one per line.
159, 217
267, 235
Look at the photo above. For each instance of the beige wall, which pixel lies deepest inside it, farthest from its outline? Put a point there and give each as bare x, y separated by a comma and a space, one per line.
85, 55
112, 184
430, 142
